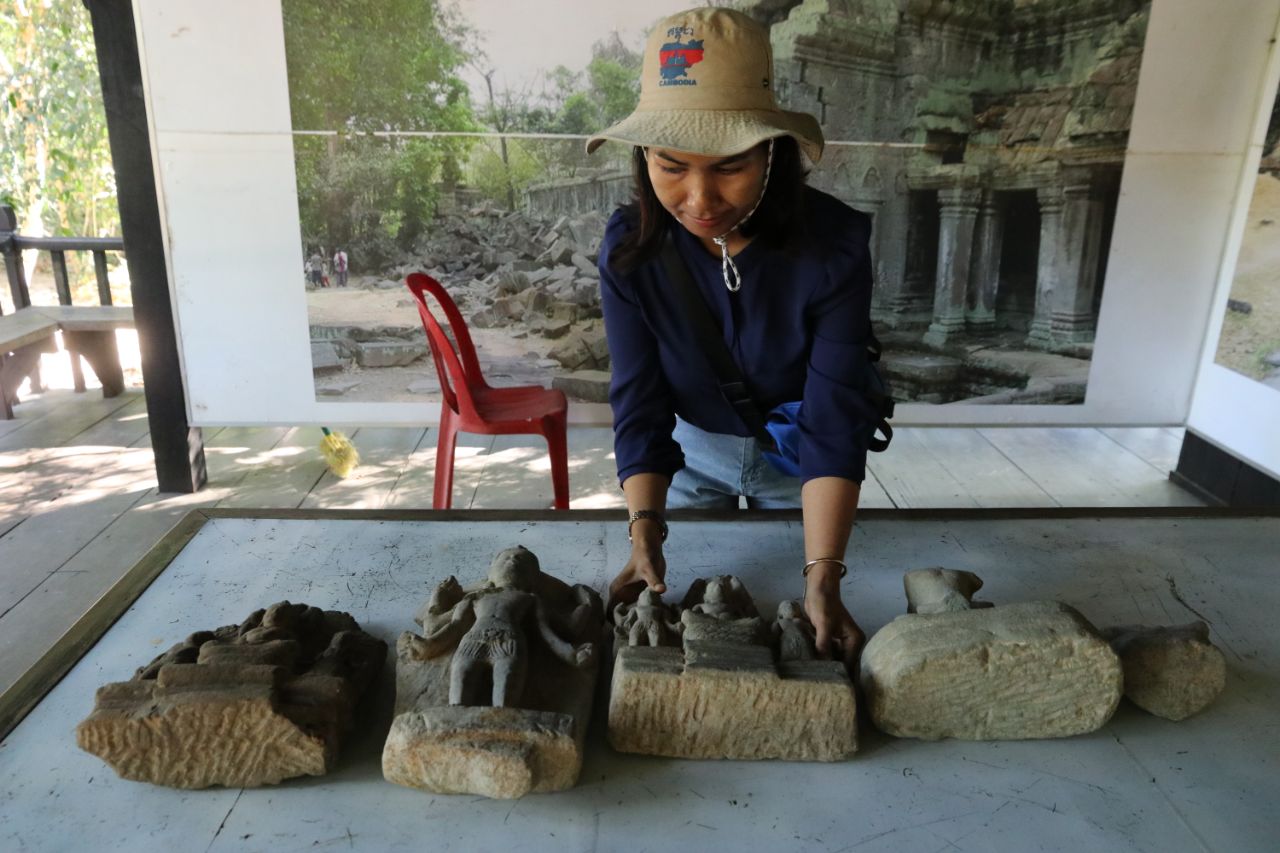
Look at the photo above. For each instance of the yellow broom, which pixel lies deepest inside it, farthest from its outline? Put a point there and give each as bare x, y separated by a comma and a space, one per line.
339, 452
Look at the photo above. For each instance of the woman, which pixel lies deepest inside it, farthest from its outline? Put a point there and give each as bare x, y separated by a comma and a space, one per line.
785, 270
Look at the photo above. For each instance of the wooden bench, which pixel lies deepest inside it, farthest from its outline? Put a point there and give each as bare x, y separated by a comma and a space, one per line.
87, 330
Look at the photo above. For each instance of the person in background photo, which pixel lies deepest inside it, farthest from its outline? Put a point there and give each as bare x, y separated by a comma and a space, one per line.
340, 267
785, 270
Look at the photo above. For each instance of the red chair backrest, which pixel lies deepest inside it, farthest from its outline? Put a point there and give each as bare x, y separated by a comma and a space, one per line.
459, 371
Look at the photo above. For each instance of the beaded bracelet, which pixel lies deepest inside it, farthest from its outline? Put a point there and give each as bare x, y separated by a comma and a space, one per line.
844, 570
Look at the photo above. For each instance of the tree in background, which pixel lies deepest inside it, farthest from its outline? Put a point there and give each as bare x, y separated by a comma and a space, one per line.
571, 103
360, 66
55, 161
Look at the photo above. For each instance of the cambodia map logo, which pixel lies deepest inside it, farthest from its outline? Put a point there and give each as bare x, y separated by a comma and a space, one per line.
677, 57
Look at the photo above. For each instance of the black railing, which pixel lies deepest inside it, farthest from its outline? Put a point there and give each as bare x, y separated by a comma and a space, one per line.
12, 245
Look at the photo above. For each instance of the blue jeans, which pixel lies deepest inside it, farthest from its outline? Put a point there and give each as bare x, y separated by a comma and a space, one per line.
719, 468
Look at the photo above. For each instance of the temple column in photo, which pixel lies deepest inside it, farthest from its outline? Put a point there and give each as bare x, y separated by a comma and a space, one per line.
984, 278
1070, 237
957, 216
1049, 273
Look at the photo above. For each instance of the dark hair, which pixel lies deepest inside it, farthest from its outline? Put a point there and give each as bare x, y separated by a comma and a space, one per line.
777, 222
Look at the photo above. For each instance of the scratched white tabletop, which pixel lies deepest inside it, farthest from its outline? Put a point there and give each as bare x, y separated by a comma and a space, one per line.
1140, 783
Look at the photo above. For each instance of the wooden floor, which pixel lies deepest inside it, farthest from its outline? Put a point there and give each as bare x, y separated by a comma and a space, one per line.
78, 504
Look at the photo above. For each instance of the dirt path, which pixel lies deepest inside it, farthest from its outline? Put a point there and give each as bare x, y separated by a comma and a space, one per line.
1248, 338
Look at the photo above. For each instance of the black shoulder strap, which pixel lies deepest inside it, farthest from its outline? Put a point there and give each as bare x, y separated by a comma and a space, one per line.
709, 337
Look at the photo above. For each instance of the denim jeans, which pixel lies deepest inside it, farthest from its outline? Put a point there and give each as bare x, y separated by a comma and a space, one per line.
719, 468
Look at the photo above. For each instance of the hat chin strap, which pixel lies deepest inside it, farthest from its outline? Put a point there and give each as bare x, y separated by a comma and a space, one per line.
728, 269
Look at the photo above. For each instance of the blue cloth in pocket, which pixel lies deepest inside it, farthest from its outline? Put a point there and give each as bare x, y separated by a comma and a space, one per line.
782, 425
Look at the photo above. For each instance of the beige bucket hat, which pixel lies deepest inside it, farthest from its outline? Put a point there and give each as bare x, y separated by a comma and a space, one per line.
706, 87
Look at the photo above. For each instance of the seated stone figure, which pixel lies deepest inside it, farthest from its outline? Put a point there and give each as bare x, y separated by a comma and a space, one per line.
494, 697
489, 627
647, 622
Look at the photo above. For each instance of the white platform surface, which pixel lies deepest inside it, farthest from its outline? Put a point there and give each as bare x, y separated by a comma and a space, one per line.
1140, 783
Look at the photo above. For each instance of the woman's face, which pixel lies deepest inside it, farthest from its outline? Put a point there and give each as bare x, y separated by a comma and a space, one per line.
707, 195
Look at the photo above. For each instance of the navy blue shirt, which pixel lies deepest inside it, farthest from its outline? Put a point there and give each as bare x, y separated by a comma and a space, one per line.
798, 330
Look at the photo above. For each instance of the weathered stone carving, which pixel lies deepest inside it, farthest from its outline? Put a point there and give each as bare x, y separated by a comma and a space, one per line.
494, 698
941, 591
734, 687
646, 622
1031, 670
242, 705
1171, 672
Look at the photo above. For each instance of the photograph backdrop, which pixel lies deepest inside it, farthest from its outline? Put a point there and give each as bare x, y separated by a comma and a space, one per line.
228, 168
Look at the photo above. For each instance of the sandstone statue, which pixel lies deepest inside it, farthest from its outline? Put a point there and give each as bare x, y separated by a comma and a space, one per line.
242, 705
494, 698
729, 685
1171, 672
793, 633
961, 670
646, 622
941, 590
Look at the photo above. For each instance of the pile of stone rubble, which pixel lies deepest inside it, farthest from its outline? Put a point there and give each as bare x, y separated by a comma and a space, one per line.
533, 277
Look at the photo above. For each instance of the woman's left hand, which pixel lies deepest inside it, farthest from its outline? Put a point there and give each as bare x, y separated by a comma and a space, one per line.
837, 635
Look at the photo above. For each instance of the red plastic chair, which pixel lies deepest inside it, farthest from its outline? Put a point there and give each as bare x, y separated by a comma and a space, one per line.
472, 405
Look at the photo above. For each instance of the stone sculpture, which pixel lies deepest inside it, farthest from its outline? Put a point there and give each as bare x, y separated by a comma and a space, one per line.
1031, 670
646, 622
728, 685
494, 698
241, 706
1171, 672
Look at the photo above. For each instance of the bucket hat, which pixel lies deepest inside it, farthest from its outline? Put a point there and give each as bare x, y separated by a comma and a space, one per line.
706, 87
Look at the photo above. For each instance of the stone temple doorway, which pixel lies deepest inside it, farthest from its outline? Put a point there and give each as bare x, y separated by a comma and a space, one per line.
1019, 259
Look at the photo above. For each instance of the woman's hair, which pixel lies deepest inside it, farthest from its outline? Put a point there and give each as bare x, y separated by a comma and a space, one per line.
777, 222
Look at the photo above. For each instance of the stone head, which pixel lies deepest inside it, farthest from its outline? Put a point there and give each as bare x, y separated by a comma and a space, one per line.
790, 610
515, 568
649, 598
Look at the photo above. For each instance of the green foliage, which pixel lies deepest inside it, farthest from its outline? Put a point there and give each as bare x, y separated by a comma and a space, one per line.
55, 161
359, 66
574, 103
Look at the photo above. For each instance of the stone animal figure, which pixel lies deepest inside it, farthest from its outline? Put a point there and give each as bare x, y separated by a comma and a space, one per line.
724, 598
941, 591
490, 627
647, 622
793, 633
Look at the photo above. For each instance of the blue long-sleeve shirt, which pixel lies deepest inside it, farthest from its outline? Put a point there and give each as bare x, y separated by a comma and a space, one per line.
798, 330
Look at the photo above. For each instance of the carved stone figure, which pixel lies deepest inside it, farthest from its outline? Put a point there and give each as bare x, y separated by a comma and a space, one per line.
494, 698
733, 688
1171, 672
941, 590
1031, 670
646, 622
242, 705
793, 633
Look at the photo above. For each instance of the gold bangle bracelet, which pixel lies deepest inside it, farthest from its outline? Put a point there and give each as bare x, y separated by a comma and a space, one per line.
844, 570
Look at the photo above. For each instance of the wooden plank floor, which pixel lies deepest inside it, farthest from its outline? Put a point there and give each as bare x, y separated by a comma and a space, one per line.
78, 504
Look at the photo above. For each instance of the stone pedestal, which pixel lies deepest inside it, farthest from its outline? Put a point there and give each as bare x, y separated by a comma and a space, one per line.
730, 689
1016, 671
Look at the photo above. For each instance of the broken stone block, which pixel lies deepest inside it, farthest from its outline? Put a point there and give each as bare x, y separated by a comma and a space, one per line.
388, 353
325, 359
1171, 672
591, 386
424, 386
717, 683
584, 264
1032, 670
241, 706
337, 387
495, 696
572, 353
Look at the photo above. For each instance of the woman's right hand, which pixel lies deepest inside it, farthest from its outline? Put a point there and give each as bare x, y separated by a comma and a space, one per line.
646, 567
